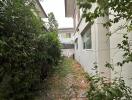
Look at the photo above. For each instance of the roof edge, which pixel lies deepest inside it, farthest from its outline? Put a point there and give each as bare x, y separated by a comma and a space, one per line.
42, 8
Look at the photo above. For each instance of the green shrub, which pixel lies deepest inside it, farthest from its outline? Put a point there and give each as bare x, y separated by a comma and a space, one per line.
27, 54
101, 89
49, 53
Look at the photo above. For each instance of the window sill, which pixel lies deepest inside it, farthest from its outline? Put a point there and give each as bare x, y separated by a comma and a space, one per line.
87, 49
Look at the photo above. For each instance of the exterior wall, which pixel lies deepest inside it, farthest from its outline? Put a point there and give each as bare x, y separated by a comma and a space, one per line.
66, 40
69, 7
116, 54
104, 49
67, 52
76, 16
85, 57
100, 47
100, 51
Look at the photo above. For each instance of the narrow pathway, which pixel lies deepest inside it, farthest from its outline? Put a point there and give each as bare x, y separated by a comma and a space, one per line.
67, 83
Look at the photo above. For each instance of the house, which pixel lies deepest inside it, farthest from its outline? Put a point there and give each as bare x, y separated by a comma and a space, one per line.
39, 11
90, 47
93, 47
66, 39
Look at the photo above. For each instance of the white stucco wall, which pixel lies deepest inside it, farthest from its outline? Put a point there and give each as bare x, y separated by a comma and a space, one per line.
116, 54
67, 52
103, 49
85, 57
100, 48
66, 40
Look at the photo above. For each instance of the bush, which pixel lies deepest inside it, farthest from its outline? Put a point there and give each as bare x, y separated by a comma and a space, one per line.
27, 54
48, 53
101, 89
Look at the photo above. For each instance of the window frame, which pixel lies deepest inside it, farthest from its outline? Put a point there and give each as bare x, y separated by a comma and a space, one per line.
76, 44
87, 31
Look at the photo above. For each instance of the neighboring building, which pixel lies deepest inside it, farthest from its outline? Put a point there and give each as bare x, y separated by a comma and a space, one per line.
39, 11
92, 46
66, 39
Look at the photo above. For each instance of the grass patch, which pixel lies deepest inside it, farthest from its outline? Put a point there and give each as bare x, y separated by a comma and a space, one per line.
67, 81
64, 68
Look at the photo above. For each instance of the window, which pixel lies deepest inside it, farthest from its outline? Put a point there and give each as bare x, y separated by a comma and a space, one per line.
67, 46
76, 44
130, 43
87, 42
66, 35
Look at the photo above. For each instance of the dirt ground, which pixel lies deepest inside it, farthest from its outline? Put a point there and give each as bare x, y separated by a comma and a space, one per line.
68, 83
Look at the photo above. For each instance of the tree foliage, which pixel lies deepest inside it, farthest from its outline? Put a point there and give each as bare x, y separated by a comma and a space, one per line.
120, 9
53, 25
27, 53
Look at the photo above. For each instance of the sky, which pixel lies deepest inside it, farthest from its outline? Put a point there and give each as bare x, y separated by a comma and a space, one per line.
58, 8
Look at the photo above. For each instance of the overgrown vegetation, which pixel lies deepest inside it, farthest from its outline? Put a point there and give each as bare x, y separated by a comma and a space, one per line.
100, 87
27, 52
67, 82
